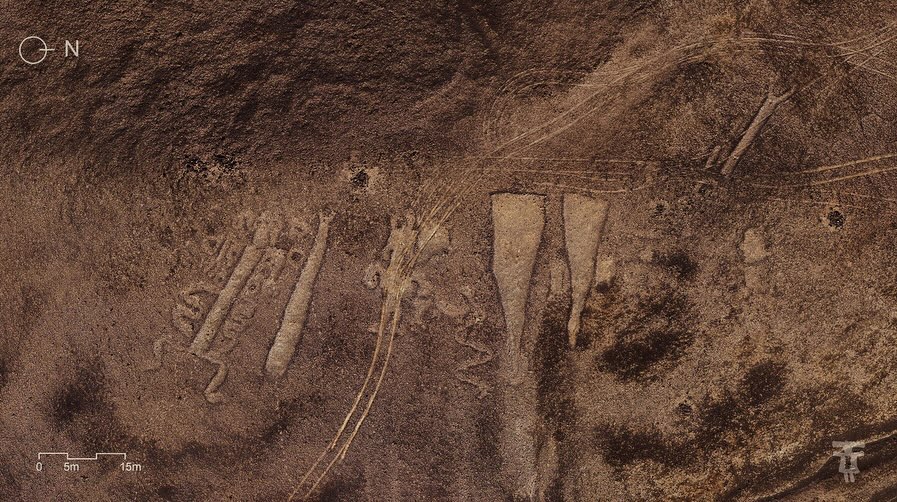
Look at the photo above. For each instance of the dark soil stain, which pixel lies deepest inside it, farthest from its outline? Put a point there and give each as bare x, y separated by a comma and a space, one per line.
167, 492
603, 306
487, 445
343, 488
83, 410
163, 490
9, 486
82, 397
759, 402
654, 334
886, 495
621, 446
633, 357
33, 303
677, 262
740, 409
287, 415
555, 384
250, 452
4, 374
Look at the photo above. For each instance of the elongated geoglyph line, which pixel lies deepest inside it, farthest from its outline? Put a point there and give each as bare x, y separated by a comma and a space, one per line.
294, 315
518, 221
394, 283
584, 219
446, 205
251, 256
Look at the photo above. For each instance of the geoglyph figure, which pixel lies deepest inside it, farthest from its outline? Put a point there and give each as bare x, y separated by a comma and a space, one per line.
430, 242
296, 310
583, 221
517, 222
215, 313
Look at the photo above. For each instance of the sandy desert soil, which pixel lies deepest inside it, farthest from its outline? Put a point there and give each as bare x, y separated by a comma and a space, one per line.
710, 183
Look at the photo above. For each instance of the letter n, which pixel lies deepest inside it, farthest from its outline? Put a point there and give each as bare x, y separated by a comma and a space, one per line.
75, 49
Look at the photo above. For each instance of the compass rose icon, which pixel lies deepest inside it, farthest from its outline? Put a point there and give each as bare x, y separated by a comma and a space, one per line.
39, 42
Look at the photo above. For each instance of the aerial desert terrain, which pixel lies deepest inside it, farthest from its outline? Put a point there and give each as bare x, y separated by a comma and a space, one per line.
449, 250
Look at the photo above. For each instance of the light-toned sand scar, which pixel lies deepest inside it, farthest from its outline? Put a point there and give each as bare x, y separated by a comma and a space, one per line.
294, 315
753, 246
584, 219
769, 107
518, 221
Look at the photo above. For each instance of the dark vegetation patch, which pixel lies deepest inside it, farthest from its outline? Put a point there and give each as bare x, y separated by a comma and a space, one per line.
763, 382
741, 411
251, 452
216, 166
652, 336
621, 446
197, 174
836, 219
360, 179
678, 263
440, 466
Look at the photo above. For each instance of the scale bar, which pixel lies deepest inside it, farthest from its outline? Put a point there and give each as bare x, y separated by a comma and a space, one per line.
95, 457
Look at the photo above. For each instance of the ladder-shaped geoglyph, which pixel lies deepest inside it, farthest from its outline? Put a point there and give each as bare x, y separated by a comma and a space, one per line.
238, 276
